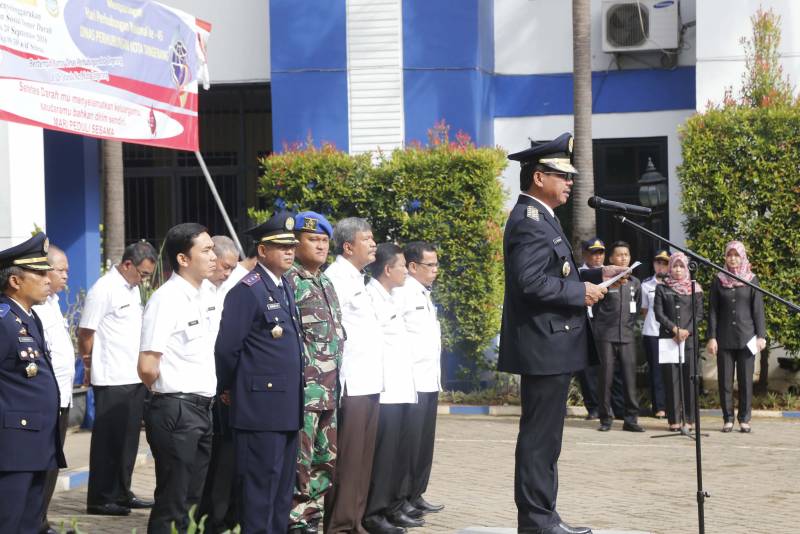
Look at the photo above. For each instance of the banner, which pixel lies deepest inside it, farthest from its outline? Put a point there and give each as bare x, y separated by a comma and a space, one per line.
126, 70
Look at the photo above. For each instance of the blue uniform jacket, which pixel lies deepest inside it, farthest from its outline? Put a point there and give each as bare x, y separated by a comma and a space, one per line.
29, 440
263, 373
545, 328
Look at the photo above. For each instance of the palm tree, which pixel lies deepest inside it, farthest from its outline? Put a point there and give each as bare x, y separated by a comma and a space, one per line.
583, 217
113, 202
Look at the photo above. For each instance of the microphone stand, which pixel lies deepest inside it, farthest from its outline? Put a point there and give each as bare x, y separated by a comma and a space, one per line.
702, 495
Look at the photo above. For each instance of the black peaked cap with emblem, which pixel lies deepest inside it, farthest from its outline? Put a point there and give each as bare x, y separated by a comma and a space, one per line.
556, 154
30, 254
278, 229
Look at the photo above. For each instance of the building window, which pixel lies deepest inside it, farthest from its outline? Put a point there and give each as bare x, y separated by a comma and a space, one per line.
165, 187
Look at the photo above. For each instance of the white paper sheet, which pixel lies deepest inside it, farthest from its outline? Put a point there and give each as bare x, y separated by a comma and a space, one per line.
611, 281
670, 352
753, 345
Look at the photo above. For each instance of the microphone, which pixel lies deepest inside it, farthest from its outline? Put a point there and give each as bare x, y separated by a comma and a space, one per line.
618, 207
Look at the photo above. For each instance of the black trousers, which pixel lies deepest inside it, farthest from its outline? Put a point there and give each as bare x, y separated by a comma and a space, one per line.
656, 383
179, 433
421, 438
624, 354
541, 427
266, 466
52, 475
390, 464
744, 362
115, 442
589, 378
218, 502
671, 373
21, 497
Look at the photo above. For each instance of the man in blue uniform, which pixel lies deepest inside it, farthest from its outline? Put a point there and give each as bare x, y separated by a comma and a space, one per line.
30, 444
545, 334
260, 373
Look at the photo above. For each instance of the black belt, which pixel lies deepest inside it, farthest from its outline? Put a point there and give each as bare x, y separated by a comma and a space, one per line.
198, 400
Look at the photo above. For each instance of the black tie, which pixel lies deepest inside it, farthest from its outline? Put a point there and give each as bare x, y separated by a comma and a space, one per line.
284, 299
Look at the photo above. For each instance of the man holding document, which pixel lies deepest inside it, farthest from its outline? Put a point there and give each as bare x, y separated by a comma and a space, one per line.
545, 334
673, 308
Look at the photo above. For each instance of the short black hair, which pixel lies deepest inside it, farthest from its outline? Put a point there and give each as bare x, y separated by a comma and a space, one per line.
617, 244
414, 250
138, 252
384, 255
526, 172
7, 272
179, 240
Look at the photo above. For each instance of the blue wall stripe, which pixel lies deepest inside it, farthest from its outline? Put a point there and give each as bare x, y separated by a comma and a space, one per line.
626, 91
309, 72
448, 56
72, 204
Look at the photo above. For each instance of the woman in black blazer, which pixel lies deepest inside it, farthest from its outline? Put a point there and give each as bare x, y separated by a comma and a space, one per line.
736, 317
673, 308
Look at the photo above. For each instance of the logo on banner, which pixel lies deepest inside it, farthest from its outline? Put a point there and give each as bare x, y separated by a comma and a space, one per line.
181, 75
52, 7
151, 121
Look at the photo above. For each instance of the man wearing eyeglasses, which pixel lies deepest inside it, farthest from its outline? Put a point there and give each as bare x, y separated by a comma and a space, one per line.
108, 341
545, 335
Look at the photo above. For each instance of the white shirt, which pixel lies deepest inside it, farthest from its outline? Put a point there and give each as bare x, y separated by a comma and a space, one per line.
362, 361
113, 309
179, 324
59, 343
651, 326
237, 274
398, 367
424, 334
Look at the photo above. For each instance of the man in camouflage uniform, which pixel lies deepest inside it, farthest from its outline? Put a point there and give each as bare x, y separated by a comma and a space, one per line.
323, 338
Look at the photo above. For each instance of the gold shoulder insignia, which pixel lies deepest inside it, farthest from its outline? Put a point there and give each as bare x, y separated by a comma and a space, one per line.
532, 213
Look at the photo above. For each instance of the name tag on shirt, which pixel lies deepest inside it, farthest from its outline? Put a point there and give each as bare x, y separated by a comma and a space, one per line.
420, 307
633, 306
273, 305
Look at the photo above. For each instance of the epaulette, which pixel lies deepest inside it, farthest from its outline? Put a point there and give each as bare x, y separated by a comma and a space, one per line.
4, 309
251, 279
532, 213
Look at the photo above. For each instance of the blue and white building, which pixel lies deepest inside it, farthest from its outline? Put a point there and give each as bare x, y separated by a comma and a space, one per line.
369, 74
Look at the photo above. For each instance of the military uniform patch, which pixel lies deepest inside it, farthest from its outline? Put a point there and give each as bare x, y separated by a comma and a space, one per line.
565, 269
251, 279
532, 213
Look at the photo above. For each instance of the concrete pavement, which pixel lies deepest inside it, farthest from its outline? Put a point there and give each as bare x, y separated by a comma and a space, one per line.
614, 481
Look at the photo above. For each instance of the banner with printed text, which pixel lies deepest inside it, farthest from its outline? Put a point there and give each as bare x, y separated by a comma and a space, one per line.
116, 69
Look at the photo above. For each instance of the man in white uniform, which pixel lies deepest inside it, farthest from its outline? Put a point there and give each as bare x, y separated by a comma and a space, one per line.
361, 377
422, 324
177, 363
62, 355
108, 340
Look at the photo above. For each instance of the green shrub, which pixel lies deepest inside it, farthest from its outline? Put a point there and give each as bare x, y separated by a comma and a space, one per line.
741, 180
447, 193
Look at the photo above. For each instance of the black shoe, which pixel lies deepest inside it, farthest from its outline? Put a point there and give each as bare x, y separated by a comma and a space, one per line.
312, 527
604, 427
632, 427
563, 528
425, 506
107, 509
411, 511
399, 519
592, 416
377, 524
135, 503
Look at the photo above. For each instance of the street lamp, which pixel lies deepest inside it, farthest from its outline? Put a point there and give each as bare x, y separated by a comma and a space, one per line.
652, 187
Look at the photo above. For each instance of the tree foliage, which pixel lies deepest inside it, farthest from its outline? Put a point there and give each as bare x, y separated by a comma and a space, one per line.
447, 192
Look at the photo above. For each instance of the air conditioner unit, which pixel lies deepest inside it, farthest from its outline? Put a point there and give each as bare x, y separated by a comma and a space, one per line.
639, 26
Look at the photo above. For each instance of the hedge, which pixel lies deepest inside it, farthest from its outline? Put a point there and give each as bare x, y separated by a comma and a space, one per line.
447, 192
741, 180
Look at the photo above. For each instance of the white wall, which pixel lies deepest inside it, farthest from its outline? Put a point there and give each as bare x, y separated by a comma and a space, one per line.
512, 134
720, 55
238, 49
535, 37
21, 182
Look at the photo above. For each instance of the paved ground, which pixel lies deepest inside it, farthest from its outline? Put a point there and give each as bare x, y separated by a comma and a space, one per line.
612, 481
